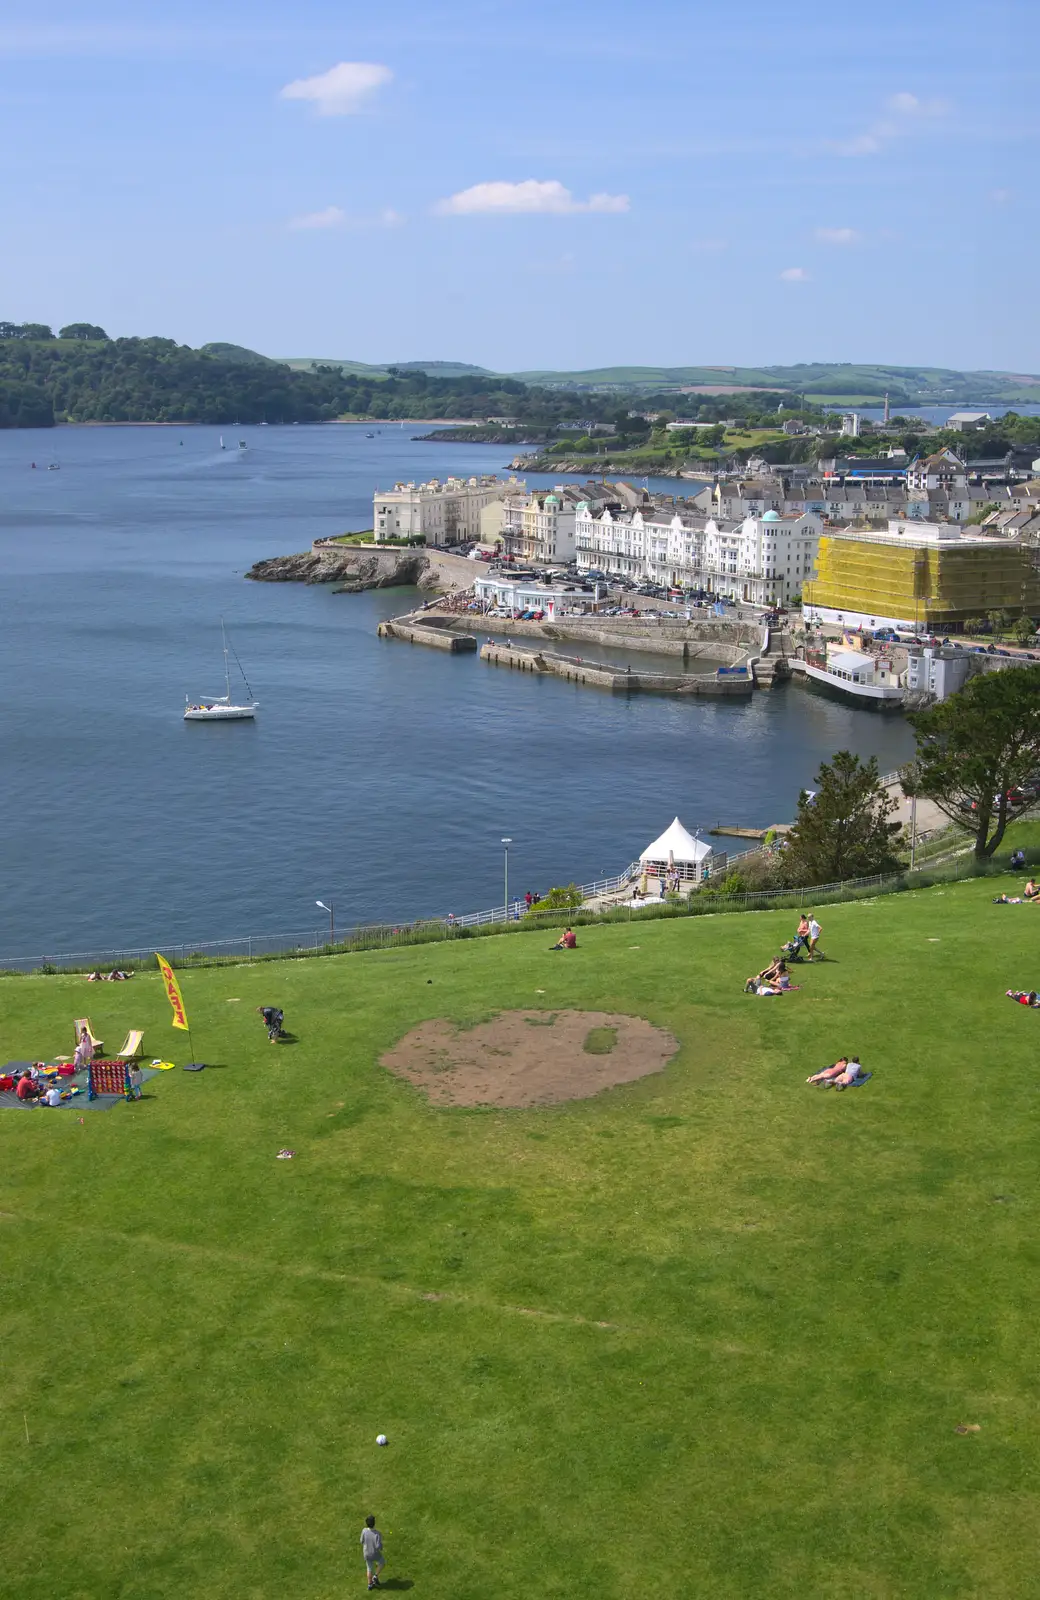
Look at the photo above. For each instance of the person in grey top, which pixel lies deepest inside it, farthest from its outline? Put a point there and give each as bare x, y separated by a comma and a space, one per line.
372, 1550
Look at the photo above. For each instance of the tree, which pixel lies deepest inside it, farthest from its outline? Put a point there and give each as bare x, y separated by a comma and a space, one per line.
974, 749
25, 330
844, 830
82, 330
1023, 630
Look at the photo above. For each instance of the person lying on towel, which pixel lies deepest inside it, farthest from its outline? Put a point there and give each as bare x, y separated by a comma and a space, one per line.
830, 1074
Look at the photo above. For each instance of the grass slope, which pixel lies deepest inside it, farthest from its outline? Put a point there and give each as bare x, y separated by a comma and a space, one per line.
706, 1335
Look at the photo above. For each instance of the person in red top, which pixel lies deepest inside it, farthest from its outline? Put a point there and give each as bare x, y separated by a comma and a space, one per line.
568, 942
27, 1089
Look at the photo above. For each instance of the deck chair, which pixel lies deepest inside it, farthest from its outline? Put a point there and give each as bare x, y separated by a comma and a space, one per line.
84, 1022
131, 1046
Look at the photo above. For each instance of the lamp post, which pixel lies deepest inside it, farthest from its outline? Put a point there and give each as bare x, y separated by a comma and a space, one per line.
505, 845
332, 919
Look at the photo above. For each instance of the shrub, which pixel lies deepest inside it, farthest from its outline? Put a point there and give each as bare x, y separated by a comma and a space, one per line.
558, 899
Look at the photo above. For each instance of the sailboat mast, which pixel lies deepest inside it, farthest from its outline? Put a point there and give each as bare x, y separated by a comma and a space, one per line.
227, 670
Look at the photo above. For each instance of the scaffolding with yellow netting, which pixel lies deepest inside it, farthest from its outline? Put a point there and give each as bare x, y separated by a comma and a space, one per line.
935, 584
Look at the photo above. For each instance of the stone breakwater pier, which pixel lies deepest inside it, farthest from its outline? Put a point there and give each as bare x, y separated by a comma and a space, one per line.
752, 658
726, 682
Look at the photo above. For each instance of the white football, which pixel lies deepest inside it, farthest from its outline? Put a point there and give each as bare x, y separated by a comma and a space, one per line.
381, 1438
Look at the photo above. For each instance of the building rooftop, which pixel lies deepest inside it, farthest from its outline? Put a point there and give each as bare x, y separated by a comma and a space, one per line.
916, 531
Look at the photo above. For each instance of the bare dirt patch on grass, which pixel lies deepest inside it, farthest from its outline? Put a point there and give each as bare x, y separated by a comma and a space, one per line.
529, 1058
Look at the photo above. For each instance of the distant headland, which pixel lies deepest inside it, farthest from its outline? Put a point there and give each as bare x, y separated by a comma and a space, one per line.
80, 375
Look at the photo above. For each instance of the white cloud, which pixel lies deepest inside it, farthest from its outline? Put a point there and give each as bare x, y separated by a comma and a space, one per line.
342, 90
513, 199
838, 236
331, 217
336, 217
903, 111
794, 275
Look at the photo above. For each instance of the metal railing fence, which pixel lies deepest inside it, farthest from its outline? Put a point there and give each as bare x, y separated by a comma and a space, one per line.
703, 900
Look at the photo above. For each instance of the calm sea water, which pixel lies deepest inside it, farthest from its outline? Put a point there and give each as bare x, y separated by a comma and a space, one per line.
378, 774
939, 414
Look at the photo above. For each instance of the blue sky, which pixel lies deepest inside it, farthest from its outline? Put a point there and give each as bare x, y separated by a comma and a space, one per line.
529, 185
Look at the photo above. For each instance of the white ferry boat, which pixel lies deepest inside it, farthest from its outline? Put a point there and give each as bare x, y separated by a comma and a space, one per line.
856, 676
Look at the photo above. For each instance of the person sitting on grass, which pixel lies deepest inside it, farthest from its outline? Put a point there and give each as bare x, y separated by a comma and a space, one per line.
1025, 997
830, 1074
852, 1075
28, 1088
1018, 860
769, 974
568, 941
1031, 892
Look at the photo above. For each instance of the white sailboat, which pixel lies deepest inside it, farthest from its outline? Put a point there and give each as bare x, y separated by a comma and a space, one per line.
219, 708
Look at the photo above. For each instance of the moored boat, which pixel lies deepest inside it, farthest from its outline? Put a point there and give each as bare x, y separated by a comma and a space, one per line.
221, 708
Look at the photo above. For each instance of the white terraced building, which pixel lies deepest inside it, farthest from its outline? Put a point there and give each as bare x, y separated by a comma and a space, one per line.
441, 513
762, 560
656, 546
534, 527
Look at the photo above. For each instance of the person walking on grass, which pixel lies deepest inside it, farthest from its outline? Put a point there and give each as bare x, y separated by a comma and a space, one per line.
802, 935
814, 934
372, 1550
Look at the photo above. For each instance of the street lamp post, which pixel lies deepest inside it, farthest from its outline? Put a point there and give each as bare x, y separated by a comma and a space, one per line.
332, 919
506, 843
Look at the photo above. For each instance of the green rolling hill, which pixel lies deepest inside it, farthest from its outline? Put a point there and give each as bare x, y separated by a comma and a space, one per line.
830, 380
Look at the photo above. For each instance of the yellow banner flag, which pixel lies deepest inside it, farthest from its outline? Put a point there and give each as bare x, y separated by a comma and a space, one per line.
173, 992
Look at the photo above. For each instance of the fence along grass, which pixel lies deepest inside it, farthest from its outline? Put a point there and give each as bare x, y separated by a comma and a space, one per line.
385, 936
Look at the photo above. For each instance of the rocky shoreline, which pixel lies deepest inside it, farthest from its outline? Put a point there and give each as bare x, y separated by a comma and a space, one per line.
353, 568
350, 568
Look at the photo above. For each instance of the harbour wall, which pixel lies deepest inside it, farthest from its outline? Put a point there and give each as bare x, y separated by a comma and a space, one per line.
437, 638
617, 679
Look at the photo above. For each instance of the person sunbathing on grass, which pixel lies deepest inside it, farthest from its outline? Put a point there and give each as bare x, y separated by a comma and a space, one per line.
830, 1074
769, 975
1003, 900
1025, 997
1031, 892
852, 1075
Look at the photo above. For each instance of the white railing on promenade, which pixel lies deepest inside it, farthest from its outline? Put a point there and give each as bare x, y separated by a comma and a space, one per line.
377, 936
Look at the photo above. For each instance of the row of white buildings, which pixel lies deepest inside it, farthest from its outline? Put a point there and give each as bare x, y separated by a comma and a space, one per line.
457, 510
764, 559
613, 529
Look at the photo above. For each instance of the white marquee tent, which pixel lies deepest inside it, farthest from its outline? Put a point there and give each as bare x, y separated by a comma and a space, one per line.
676, 848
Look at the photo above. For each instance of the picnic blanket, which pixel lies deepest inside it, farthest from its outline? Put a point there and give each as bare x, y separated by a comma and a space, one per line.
78, 1102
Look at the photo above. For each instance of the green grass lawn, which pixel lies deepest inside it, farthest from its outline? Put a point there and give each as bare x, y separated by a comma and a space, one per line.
709, 1334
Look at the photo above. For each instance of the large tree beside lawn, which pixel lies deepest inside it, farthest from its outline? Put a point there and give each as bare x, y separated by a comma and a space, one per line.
978, 751
843, 829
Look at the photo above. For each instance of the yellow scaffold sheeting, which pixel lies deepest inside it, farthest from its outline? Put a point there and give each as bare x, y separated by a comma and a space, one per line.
929, 582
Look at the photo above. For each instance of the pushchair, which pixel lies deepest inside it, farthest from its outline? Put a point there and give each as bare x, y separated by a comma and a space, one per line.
793, 950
